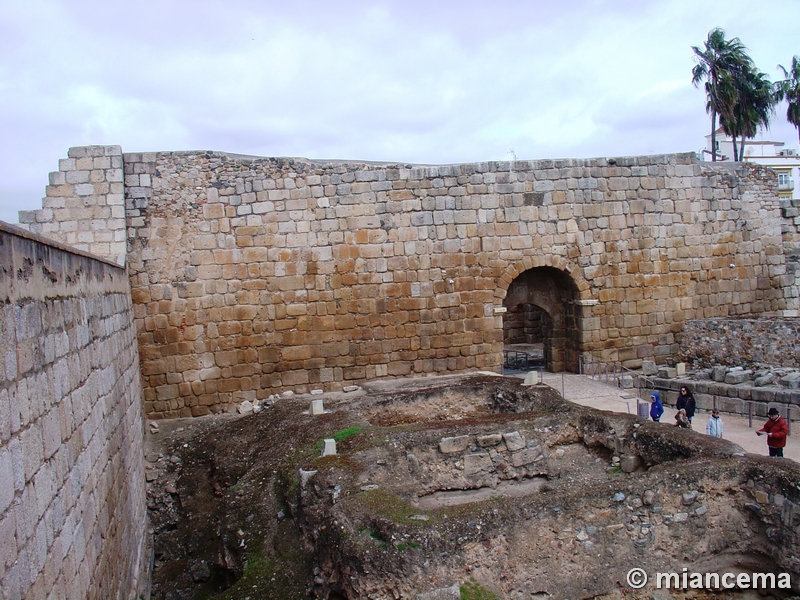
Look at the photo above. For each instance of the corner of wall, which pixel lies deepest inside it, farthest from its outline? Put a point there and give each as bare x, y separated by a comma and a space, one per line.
84, 205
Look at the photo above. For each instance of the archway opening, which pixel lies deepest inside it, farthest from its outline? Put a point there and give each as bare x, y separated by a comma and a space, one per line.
542, 319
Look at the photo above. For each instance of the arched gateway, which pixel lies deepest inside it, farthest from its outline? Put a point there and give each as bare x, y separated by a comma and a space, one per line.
542, 307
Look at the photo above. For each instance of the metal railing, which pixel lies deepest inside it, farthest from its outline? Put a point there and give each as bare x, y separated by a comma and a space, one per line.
518, 360
615, 374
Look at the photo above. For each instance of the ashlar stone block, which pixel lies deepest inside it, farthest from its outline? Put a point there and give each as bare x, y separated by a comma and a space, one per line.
450, 445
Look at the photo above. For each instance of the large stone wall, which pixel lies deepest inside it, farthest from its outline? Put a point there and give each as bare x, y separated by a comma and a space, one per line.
72, 483
252, 276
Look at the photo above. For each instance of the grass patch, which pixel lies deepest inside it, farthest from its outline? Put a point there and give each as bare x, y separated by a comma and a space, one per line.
346, 433
403, 546
374, 535
471, 590
283, 574
339, 436
382, 503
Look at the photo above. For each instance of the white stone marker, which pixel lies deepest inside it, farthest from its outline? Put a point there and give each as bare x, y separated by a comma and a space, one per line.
316, 407
330, 447
532, 378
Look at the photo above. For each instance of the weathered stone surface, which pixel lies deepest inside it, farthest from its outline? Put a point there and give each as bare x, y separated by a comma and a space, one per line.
719, 373
764, 380
199, 571
680, 517
485, 441
667, 372
688, 498
737, 376
649, 367
413, 463
525, 457
449, 445
629, 463
476, 463
791, 381
450, 593
514, 441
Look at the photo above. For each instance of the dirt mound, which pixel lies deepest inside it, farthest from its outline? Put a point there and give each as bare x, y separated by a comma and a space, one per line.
475, 482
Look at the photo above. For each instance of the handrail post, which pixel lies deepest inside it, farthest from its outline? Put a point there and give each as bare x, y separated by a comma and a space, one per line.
788, 421
750, 413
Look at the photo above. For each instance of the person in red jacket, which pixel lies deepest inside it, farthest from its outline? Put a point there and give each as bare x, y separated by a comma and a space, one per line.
776, 429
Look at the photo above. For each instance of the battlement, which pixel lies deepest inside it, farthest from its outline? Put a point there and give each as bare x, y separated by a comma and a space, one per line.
85, 203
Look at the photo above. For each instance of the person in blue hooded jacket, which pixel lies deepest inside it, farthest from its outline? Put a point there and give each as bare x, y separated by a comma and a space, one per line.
656, 408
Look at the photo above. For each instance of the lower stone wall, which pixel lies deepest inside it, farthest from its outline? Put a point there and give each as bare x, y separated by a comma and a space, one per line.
744, 399
741, 342
72, 485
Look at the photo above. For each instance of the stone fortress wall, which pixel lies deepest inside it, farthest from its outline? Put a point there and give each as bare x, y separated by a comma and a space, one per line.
72, 491
85, 203
252, 276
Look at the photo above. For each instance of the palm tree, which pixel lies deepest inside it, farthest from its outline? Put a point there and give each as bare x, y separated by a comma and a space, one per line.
719, 64
789, 88
756, 97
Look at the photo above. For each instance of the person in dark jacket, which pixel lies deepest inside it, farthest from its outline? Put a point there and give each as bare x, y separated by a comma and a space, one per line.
776, 430
686, 401
656, 407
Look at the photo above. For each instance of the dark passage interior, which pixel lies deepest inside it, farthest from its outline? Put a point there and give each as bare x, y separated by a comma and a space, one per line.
543, 318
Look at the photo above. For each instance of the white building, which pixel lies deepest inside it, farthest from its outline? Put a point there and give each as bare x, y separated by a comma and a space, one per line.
785, 161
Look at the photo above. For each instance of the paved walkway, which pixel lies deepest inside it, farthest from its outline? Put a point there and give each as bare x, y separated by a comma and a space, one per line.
588, 392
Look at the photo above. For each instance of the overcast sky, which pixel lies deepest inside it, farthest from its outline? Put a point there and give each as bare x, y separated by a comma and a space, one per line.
414, 81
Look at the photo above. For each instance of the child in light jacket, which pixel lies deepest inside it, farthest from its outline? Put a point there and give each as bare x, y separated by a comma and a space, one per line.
714, 425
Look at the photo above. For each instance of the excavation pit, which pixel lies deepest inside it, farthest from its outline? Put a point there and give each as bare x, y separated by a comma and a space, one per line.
472, 480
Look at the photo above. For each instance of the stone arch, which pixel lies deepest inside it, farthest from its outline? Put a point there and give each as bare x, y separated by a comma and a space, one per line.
531, 262
542, 301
